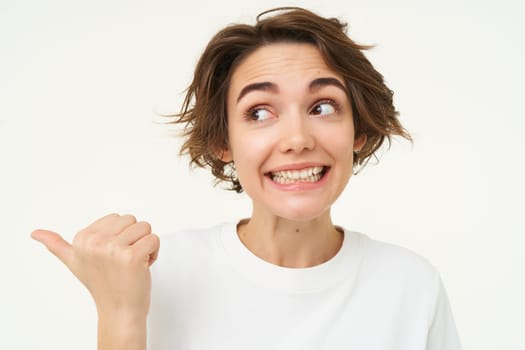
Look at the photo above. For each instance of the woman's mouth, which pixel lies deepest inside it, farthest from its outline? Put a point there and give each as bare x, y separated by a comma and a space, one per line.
306, 175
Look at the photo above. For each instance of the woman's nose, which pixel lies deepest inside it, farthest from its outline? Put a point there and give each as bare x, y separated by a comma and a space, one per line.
296, 134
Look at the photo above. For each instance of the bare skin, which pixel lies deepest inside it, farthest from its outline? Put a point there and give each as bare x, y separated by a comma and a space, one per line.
111, 257
303, 121
290, 243
288, 111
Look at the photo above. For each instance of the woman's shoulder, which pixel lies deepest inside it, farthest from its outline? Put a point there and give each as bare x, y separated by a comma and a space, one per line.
195, 234
391, 261
189, 245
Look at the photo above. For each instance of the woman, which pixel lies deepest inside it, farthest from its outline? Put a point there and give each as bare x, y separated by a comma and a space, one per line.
284, 110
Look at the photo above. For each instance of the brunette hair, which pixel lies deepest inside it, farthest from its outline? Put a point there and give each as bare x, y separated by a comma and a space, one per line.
204, 113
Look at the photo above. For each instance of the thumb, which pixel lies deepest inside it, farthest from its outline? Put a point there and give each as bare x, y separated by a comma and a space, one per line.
56, 245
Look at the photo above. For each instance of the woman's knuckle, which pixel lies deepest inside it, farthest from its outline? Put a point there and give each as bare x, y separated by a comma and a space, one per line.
111, 249
127, 257
145, 226
156, 240
129, 218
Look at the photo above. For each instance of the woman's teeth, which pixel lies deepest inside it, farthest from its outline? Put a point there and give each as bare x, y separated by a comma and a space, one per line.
304, 175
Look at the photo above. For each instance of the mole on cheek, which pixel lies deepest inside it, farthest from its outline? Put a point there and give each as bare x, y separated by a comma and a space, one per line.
296, 230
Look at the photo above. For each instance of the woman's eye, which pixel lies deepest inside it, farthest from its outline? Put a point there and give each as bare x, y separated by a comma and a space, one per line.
323, 108
259, 114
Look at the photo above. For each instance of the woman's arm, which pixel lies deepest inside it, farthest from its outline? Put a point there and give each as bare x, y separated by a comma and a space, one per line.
121, 333
111, 257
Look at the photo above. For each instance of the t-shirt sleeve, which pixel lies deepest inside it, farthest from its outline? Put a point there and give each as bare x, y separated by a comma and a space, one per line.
442, 333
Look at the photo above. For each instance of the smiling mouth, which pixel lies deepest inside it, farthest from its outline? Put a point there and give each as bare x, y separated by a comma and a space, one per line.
311, 175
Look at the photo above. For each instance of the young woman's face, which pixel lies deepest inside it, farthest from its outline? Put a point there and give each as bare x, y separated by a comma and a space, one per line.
291, 133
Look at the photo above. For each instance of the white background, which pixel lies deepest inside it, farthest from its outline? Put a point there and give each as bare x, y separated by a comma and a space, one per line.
81, 84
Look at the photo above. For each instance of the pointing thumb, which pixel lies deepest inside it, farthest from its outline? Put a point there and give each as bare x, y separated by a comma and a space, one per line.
56, 245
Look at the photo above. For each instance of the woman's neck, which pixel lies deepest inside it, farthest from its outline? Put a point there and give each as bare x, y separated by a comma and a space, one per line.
288, 243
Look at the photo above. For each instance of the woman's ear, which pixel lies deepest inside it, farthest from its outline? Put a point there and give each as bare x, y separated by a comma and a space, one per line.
225, 155
359, 142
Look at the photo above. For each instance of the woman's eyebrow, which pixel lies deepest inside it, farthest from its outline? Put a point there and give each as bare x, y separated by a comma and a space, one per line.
263, 86
319, 83
314, 85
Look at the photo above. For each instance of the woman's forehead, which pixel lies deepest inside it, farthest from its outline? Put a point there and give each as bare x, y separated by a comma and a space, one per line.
282, 63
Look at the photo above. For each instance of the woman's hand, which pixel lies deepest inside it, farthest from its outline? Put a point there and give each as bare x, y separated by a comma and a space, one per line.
111, 257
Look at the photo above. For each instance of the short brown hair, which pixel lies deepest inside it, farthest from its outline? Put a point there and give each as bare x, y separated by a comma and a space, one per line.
204, 112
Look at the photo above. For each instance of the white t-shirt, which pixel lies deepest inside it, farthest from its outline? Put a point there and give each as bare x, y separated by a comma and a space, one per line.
210, 292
